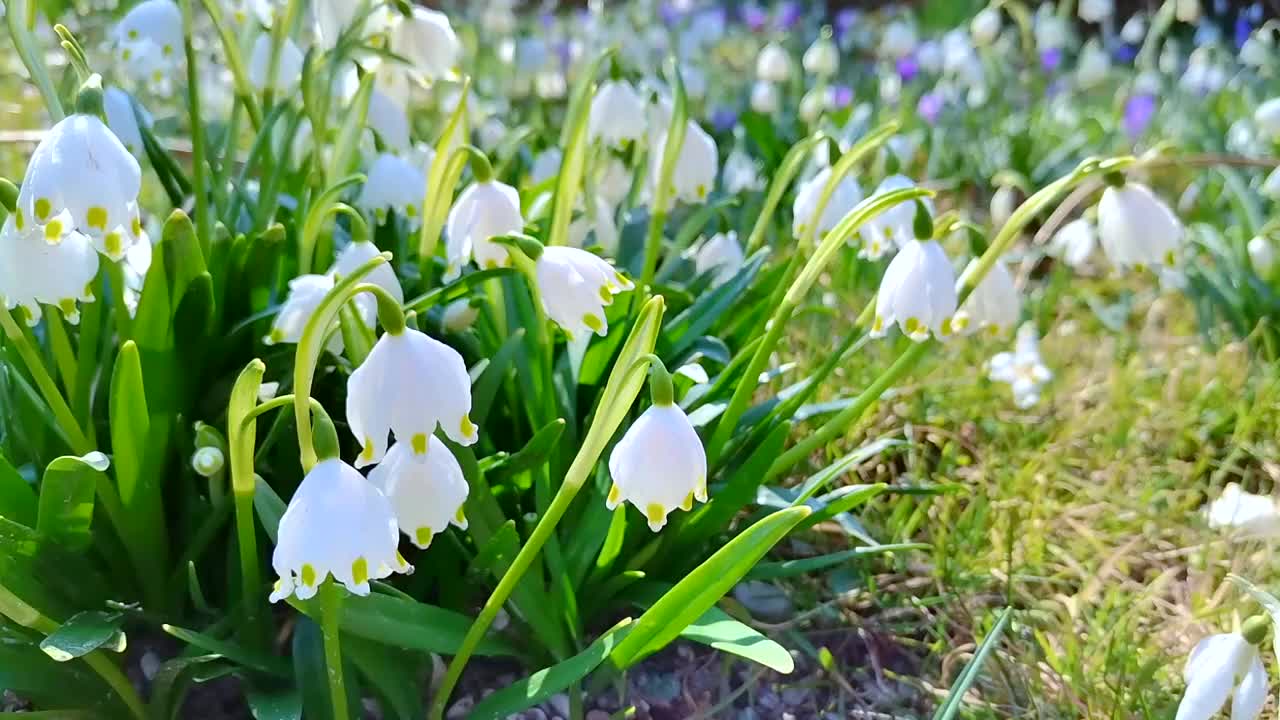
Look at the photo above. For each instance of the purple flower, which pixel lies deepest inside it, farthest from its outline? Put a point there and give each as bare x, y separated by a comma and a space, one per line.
724, 118
1126, 53
841, 96
564, 52
548, 19
1050, 59
1243, 29
908, 68
754, 17
930, 107
669, 13
1138, 111
789, 13
845, 20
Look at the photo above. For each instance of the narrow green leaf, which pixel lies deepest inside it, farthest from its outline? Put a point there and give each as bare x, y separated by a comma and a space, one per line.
231, 651
485, 388
717, 629
496, 554
17, 497
844, 500
274, 703
531, 456
704, 586
83, 633
66, 502
311, 677
803, 566
392, 674
269, 508
955, 699
684, 329
547, 682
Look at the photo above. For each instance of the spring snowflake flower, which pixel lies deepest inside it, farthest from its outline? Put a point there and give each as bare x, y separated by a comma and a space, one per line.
388, 120
1022, 369
428, 42
426, 489
659, 465
898, 40
1075, 242
409, 385
1093, 66
599, 221
722, 254
993, 306
288, 70
384, 276
394, 183
985, 26
1137, 229
764, 97
242, 11
1262, 255
805, 208
459, 315
883, 233
121, 119
1271, 185
614, 181
1267, 118
483, 211
742, 173
336, 524
333, 17
773, 64
617, 113
822, 59
1251, 515
1222, 666
33, 272
151, 29
305, 295
1096, 11
696, 165
918, 292
1134, 29
576, 286
82, 178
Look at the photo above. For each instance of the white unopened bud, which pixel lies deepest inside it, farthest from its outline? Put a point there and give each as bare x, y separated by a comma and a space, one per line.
208, 461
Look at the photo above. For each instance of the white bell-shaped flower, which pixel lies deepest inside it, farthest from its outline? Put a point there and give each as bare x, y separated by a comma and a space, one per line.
426, 490
722, 254
918, 292
764, 97
427, 40
151, 25
1245, 513
659, 465
696, 165
576, 286
260, 11
408, 385
1075, 242
812, 104
985, 26
337, 524
1187, 11
1096, 11
773, 64
1093, 66
1022, 369
1220, 667
483, 211
1267, 118
288, 69
305, 295
459, 315
122, 120
1003, 202
394, 183
82, 178
1262, 254
1271, 185
34, 272
742, 172
613, 181
822, 58
897, 40
993, 306
387, 118
384, 276
617, 113
1134, 29
804, 210
600, 222
1137, 229
883, 233
334, 17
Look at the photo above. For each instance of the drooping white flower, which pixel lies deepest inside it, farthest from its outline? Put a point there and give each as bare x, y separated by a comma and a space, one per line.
897, 40
387, 118
483, 211
1096, 11
822, 59
600, 221
720, 253
426, 489
885, 232
742, 172
1134, 29
545, 165
1271, 185
305, 295
613, 181
337, 524
1075, 242
576, 286
82, 178
384, 276
1051, 31
993, 306
764, 97
805, 217
242, 11
1250, 515
288, 68
427, 40
812, 103
1267, 118
408, 385
1003, 202
918, 292
773, 64
696, 165
333, 17
617, 113
33, 272
1262, 254
1137, 229
394, 183
1187, 11
151, 25
985, 26
1219, 667
118, 107
1022, 369
459, 315
659, 465
1093, 66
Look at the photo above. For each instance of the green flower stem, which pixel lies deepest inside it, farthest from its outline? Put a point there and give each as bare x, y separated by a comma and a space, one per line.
310, 347
439, 193
241, 436
660, 390
114, 272
666, 172
1160, 25
620, 392
279, 32
804, 280
330, 614
18, 611
199, 149
787, 172
48, 387
573, 143
542, 335
235, 63
390, 314
1026, 24
324, 205
64, 359
32, 60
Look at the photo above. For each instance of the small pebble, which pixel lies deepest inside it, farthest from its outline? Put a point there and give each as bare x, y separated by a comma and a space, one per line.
560, 703
597, 715
461, 709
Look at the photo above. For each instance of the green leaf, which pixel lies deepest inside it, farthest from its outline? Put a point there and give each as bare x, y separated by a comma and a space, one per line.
827, 475
311, 676
392, 674
547, 682
17, 497
84, 633
66, 502
457, 289
789, 568
1268, 601
531, 456
275, 703
30, 674
703, 587
496, 554
46, 575
485, 388
138, 486
231, 651
269, 507
844, 500
955, 698
405, 624
681, 331
717, 629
